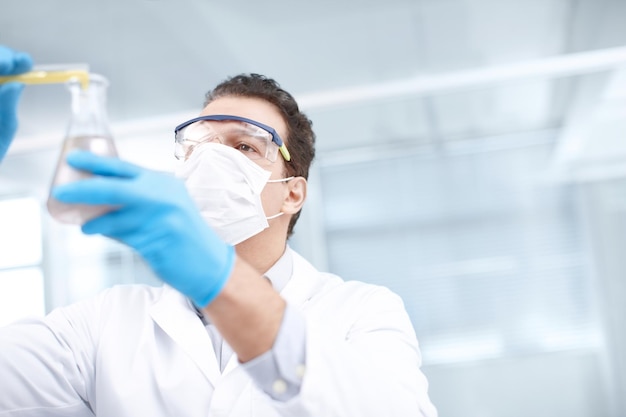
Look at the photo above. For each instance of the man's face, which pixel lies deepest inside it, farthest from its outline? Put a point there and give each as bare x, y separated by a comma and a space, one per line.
263, 112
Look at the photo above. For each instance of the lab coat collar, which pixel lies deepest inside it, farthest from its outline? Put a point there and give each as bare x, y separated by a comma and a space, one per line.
304, 282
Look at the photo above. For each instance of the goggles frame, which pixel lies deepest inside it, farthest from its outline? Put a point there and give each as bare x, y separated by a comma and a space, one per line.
225, 117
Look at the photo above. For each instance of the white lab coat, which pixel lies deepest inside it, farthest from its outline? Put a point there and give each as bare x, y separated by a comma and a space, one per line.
141, 351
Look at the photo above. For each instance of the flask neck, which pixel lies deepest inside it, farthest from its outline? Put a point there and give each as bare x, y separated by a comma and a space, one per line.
89, 115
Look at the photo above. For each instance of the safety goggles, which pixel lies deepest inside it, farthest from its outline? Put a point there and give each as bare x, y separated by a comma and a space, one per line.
253, 139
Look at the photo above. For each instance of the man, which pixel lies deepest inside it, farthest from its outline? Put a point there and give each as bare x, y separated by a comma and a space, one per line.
244, 326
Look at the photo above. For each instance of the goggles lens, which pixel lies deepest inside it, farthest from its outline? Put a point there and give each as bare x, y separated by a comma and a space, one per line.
246, 136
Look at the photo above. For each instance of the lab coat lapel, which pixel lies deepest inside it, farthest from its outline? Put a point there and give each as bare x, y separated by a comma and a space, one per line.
173, 314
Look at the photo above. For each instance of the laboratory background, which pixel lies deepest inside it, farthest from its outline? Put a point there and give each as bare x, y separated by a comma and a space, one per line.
471, 157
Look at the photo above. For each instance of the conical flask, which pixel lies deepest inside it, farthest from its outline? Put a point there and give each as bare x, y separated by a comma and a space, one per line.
88, 130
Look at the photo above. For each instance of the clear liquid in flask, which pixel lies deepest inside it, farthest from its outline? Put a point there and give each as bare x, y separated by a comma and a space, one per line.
88, 130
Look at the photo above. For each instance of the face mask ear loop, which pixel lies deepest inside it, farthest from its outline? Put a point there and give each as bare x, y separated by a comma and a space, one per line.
282, 179
275, 215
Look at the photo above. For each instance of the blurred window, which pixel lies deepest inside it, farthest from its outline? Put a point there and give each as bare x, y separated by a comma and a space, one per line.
488, 256
21, 278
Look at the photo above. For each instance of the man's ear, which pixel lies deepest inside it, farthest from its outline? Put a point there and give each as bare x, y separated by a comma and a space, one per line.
296, 195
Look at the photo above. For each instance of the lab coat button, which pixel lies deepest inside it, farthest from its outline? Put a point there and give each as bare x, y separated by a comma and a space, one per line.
279, 386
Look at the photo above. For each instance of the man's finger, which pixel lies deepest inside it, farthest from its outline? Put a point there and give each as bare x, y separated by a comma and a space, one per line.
102, 165
96, 190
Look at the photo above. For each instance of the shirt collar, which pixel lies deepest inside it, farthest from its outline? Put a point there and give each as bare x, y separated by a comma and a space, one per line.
280, 273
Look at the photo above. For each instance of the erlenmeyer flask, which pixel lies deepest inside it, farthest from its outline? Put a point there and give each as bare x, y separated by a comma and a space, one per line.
88, 130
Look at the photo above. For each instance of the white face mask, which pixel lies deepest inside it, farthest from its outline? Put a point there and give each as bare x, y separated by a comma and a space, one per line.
226, 187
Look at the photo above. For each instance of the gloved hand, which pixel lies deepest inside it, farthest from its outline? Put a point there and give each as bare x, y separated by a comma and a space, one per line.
156, 217
11, 63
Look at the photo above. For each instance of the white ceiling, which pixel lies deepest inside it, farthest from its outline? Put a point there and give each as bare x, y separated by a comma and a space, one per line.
161, 56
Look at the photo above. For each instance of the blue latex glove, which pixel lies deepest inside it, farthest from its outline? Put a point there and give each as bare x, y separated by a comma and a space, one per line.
11, 63
156, 217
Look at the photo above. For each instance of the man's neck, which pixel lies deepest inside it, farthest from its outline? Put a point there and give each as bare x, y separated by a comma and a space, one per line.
262, 251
